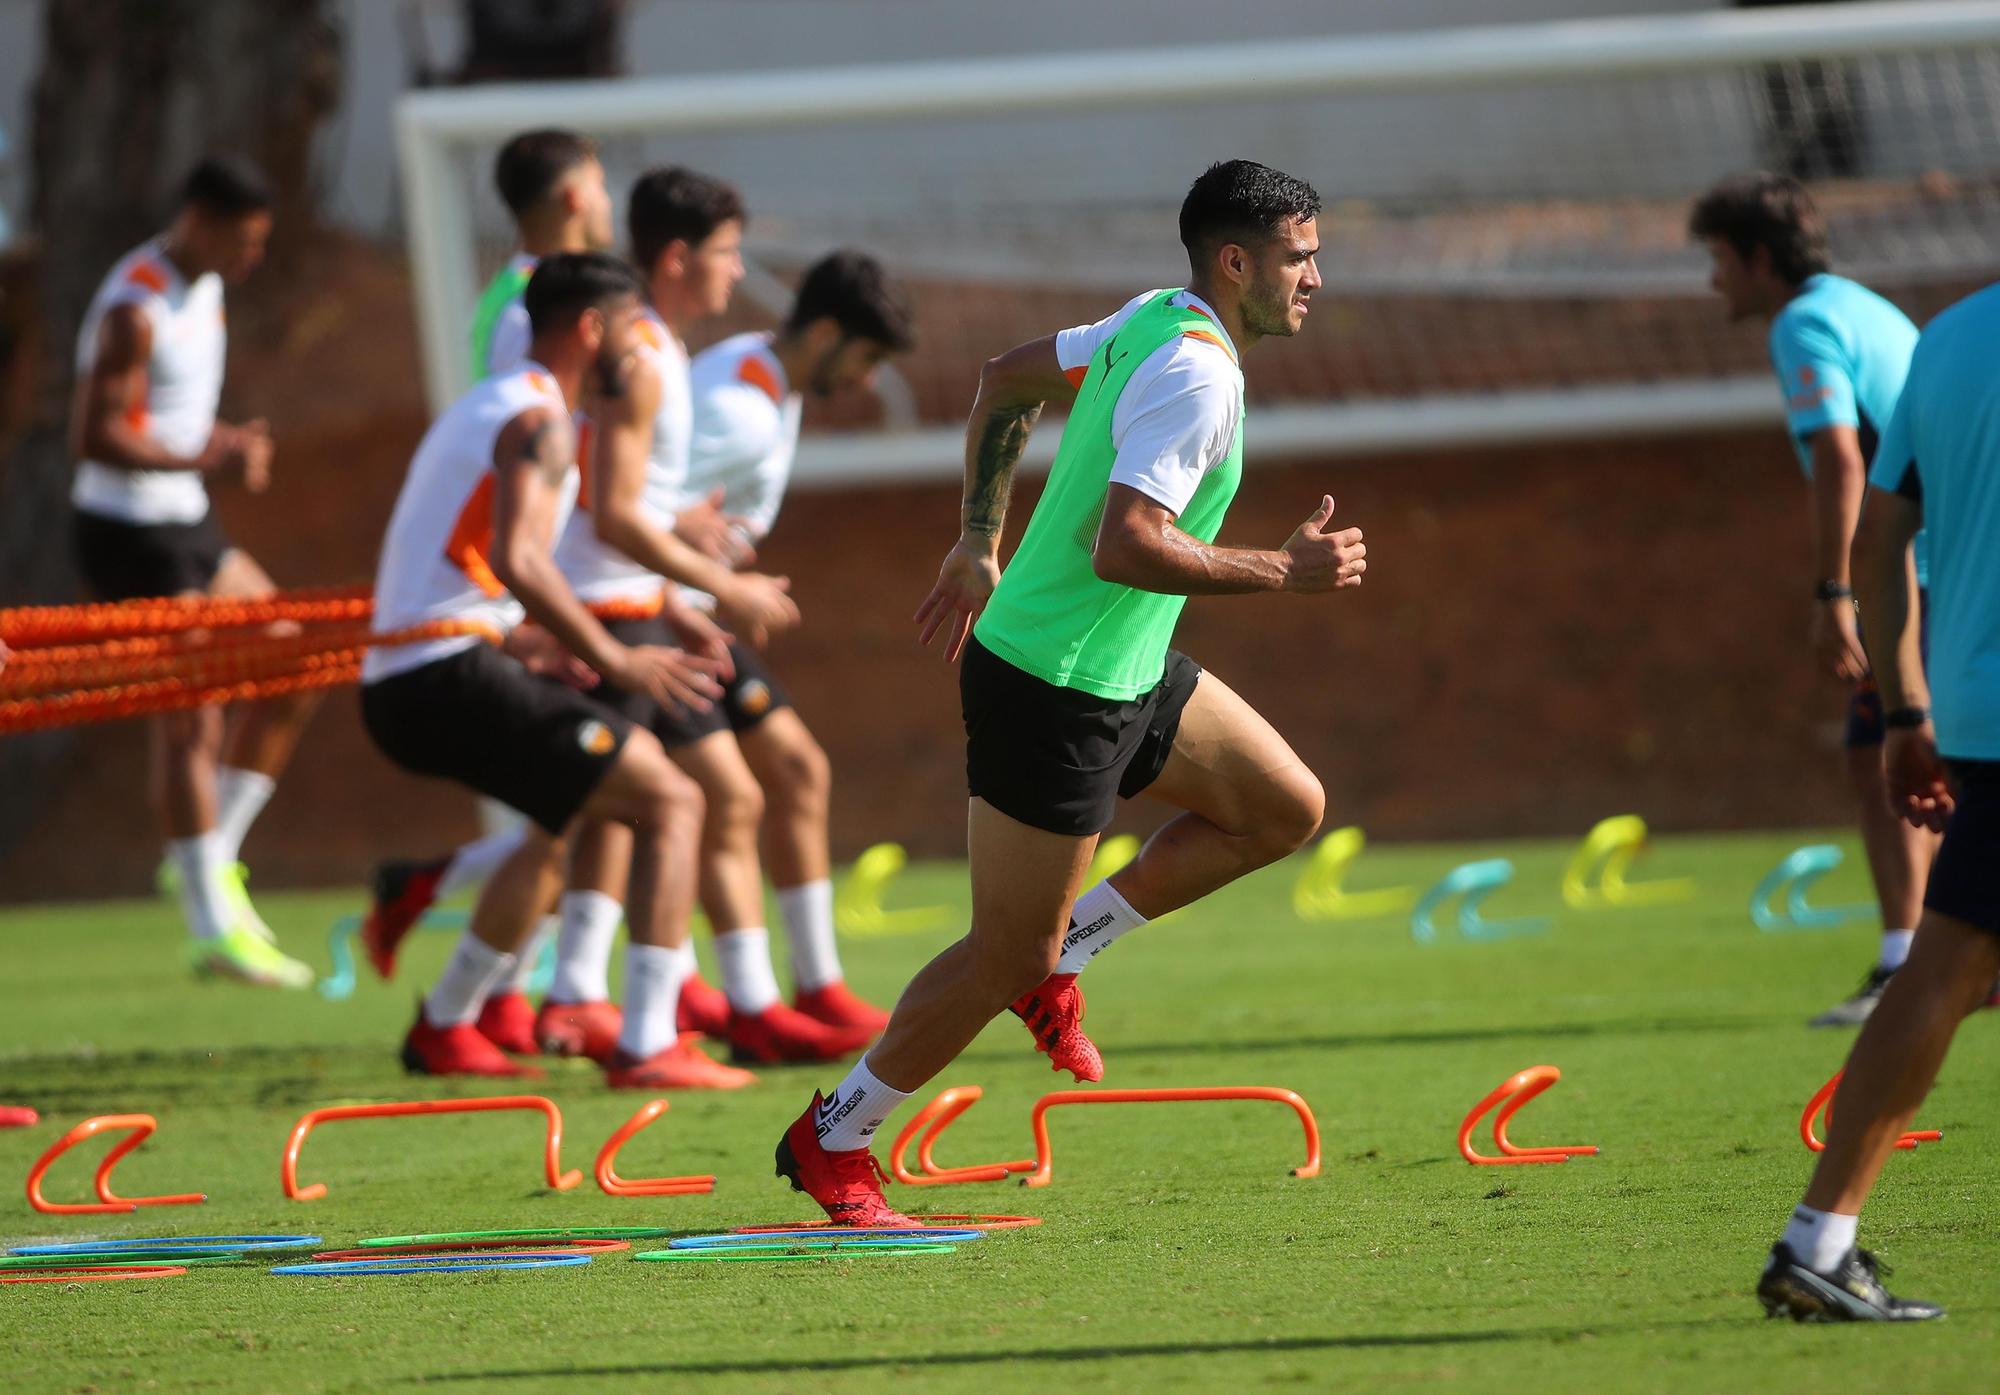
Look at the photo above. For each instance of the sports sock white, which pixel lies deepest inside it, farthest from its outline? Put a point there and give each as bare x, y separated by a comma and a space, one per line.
472, 864
808, 913
652, 996
470, 975
240, 796
744, 958
850, 1115
583, 947
684, 956
529, 956
1820, 1239
1101, 916
204, 903
1895, 948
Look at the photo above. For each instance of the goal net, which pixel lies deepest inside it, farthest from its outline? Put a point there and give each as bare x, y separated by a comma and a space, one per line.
1504, 241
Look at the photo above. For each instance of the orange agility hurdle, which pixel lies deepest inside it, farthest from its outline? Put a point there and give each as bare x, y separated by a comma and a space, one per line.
614, 1185
940, 1113
551, 1153
142, 1126
1515, 1091
1822, 1104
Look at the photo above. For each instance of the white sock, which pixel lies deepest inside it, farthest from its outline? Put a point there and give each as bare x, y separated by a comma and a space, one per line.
204, 904
529, 956
850, 1115
748, 979
1895, 948
240, 796
470, 975
808, 913
652, 997
583, 948
1100, 916
1820, 1239
472, 864
689, 965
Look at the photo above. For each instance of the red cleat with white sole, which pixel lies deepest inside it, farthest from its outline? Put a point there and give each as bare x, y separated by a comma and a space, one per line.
1053, 1011
703, 1008
847, 1185
579, 1029
837, 1005
682, 1066
779, 1033
508, 1021
400, 894
459, 1050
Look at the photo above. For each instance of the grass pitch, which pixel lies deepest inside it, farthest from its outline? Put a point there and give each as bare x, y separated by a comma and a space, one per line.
1177, 1253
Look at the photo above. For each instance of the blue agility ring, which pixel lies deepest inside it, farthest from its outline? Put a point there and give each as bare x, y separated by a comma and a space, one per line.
908, 1235
453, 1264
193, 1244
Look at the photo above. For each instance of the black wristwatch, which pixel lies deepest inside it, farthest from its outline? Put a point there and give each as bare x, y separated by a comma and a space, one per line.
1906, 718
1833, 591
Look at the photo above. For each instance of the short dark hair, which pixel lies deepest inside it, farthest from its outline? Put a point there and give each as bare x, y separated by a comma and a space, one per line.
569, 283
532, 164
673, 204
1772, 211
851, 289
1241, 201
228, 185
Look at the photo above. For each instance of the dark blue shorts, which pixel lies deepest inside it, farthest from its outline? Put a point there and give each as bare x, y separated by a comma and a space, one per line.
1864, 704
1965, 879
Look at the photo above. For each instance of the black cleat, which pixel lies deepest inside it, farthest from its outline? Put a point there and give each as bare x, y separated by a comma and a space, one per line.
1853, 1292
1852, 1012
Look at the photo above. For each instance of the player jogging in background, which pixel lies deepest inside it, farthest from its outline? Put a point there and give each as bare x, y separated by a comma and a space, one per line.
144, 432
1071, 694
1938, 469
1840, 353
487, 493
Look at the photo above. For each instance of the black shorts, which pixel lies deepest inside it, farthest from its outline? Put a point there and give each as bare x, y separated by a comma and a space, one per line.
1965, 879
123, 561
1060, 759
747, 699
478, 717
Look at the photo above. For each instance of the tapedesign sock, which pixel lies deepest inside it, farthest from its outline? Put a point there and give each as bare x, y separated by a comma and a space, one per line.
472, 864
808, 916
528, 956
850, 1115
652, 995
1101, 915
744, 958
204, 903
1895, 948
1820, 1239
469, 977
240, 796
583, 947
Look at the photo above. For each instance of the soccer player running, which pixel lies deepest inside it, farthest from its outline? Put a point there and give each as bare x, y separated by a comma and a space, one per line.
145, 434
1840, 353
1938, 469
488, 491
1072, 697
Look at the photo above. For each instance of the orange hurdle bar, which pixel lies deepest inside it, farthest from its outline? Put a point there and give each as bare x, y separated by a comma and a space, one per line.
614, 1185
1822, 1101
1515, 1091
142, 1126
551, 1154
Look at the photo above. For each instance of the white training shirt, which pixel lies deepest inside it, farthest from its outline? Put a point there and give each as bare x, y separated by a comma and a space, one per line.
1179, 413
507, 349
597, 571
183, 387
434, 559
746, 434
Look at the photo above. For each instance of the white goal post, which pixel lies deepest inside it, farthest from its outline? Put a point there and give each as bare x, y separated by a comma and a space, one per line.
441, 130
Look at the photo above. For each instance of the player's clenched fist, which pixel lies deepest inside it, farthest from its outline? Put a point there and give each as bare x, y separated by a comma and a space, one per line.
1323, 560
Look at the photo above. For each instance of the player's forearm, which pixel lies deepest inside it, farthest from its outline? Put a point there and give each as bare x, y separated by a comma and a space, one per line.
661, 552
994, 439
1884, 588
531, 577
1839, 480
112, 442
1175, 563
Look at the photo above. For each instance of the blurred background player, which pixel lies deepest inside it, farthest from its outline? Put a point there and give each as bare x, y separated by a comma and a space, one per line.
1840, 353
487, 493
144, 433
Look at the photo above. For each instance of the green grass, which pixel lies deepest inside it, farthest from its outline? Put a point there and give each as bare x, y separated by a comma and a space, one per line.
1177, 1253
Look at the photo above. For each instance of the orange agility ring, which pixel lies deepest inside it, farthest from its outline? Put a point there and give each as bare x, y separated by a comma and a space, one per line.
142, 1126
614, 1185
551, 1153
1515, 1091
1821, 1105
85, 1274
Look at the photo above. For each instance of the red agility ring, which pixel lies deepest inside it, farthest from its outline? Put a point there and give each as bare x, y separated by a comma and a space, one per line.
957, 1222
581, 1246
57, 1274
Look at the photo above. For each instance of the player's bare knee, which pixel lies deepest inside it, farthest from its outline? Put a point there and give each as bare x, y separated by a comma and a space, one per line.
1010, 967
734, 803
196, 732
1296, 806
799, 774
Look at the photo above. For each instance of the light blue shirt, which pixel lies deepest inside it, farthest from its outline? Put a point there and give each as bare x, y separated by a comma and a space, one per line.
1942, 448
1841, 352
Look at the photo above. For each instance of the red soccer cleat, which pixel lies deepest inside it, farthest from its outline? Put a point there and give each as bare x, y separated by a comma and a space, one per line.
402, 892
836, 1005
779, 1033
703, 1008
508, 1021
459, 1050
579, 1029
1053, 1011
847, 1185
682, 1066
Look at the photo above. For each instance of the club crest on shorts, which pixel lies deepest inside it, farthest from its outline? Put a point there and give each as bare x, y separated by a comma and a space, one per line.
596, 738
753, 699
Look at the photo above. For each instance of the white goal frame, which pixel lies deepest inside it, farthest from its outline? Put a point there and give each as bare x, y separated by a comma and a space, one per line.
432, 124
